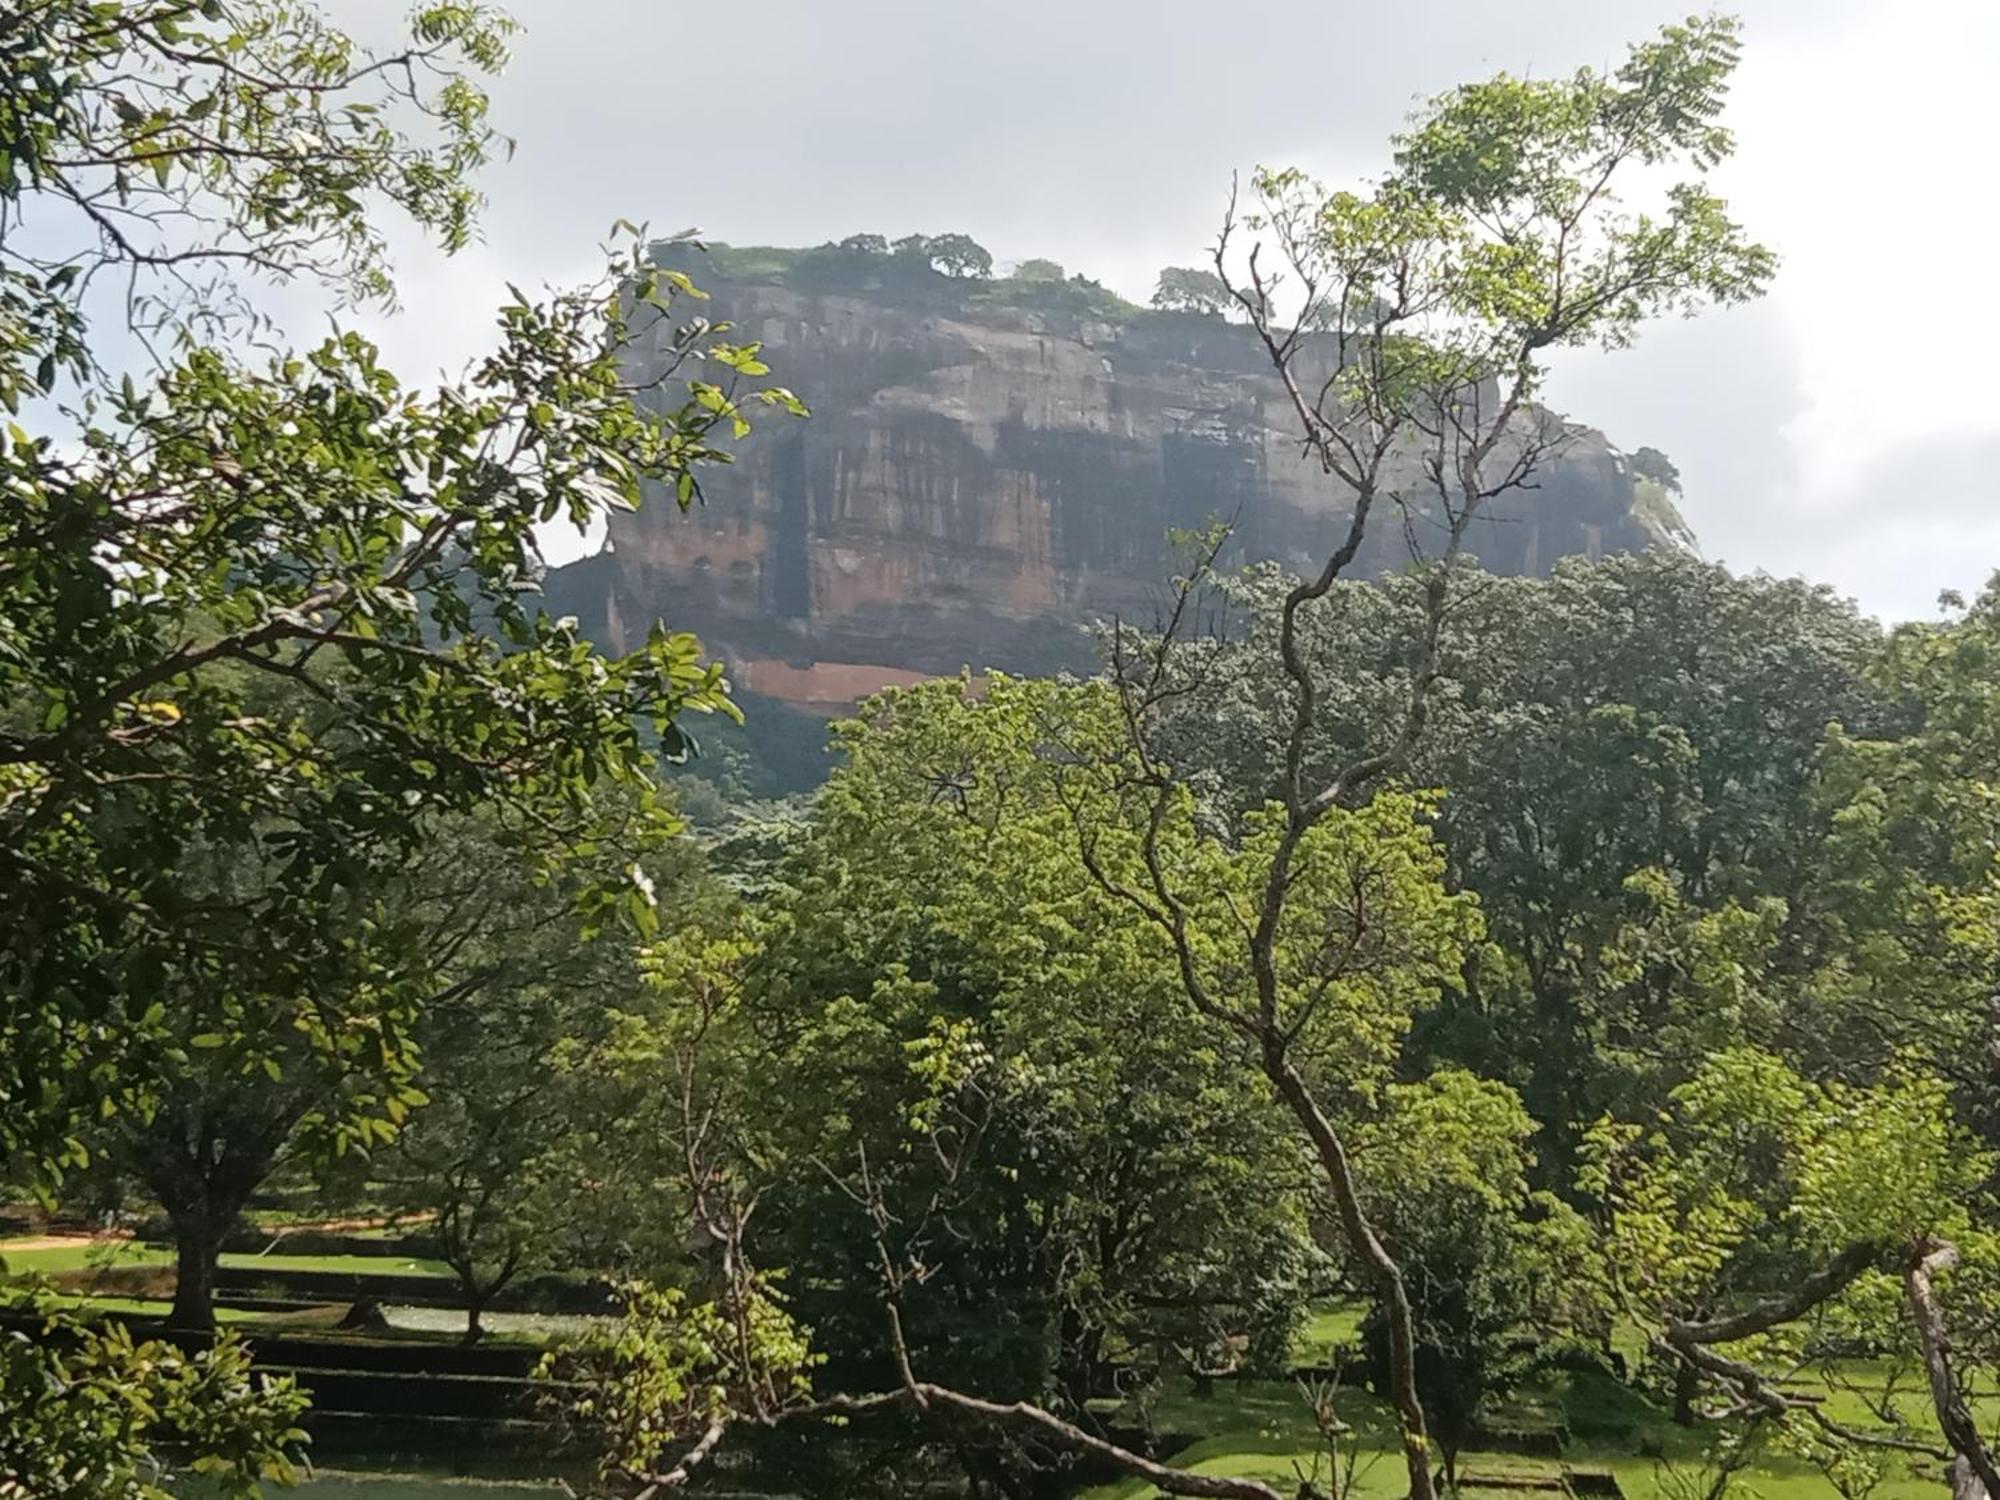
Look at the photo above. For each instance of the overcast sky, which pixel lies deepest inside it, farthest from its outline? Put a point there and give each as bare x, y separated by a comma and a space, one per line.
1843, 428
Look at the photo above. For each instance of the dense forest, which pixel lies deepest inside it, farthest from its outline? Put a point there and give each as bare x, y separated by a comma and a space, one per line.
1437, 1034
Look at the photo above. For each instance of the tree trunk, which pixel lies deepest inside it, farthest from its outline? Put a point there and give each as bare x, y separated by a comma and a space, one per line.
1375, 1259
1687, 1383
1072, 1368
202, 1163
1975, 1466
197, 1242
475, 1330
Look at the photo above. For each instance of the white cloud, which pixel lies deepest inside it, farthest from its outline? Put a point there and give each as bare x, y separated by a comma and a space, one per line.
1103, 135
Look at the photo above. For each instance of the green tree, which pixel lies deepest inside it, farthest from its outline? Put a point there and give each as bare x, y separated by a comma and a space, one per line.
1491, 1261
447, 962
1651, 463
959, 255
1037, 269
187, 145
1643, 714
102, 1416
955, 255
498, 1156
311, 527
1134, 1199
1191, 289
1760, 1201
1631, 752
991, 1128
934, 1013
1504, 232
1904, 909
303, 522
179, 148
263, 619
1311, 930
671, 1372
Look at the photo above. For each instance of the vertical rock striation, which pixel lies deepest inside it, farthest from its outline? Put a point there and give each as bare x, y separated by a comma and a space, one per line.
979, 480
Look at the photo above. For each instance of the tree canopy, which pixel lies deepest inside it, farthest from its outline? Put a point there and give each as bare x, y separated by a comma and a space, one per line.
1584, 975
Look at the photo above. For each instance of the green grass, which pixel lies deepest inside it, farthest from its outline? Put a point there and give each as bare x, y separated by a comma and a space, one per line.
86, 1254
1331, 1329
751, 262
358, 1265
82, 1254
1263, 1430
137, 1307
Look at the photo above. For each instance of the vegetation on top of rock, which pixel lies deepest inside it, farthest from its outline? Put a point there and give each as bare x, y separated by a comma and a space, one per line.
947, 270
1191, 289
1594, 970
1656, 466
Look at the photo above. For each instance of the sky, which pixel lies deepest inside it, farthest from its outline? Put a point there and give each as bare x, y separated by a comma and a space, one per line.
1839, 428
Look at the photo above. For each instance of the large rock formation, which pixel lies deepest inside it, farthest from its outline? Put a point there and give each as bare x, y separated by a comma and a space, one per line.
988, 467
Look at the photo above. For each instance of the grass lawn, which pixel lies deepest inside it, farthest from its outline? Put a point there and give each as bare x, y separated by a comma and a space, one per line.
353, 1265
76, 1256
1263, 1430
1862, 1387
415, 1324
1331, 1328
87, 1253
136, 1307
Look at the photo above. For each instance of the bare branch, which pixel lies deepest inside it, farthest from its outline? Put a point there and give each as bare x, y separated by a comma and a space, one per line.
1954, 1413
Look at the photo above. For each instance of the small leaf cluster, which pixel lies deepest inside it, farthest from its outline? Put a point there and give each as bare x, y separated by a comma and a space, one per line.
90, 1412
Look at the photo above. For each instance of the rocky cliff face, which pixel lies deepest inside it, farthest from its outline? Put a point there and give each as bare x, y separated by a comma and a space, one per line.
980, 480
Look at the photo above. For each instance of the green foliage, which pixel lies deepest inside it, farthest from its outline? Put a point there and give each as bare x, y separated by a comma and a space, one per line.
1886, 1165
866, 263
914, 262
190, 143
1526, 160
1370, 938
1128, 1194
311, 627
1754, 1171
1674, 984
1907, 908
1077, 298
1491, 1263
1630, 753
667, 1368
1521, 216
492, 1157
1788, 1219
266, 630
94, 1414
1191, 289
954, 255
1651, 463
